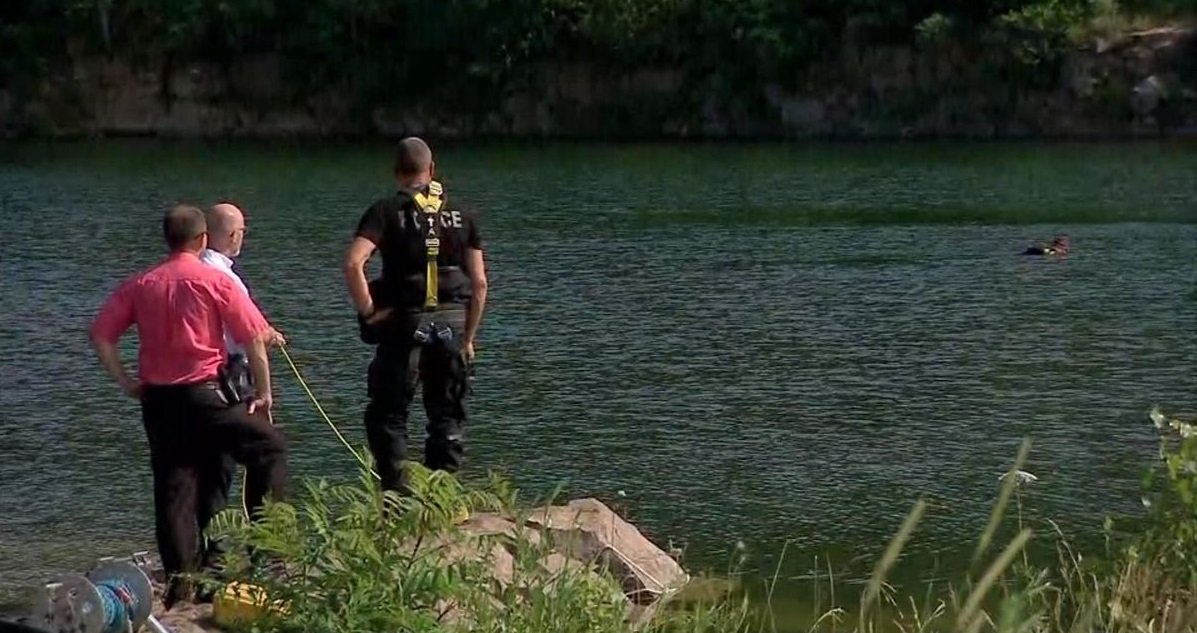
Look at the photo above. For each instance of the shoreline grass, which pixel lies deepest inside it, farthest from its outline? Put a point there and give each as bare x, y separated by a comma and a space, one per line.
1144, 580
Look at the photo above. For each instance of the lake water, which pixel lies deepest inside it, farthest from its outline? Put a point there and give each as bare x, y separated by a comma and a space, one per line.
756, 343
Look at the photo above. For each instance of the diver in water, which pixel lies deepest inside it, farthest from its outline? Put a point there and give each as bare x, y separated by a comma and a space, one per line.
1059, 246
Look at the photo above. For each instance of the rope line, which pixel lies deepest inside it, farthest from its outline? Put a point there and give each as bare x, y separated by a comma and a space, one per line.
303, 383
311, 396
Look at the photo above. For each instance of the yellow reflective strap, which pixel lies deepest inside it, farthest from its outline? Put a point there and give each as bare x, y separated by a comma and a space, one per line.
430, 203
432, 247
430, 298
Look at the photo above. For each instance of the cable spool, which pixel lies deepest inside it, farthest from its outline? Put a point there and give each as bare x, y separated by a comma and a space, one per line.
114, 597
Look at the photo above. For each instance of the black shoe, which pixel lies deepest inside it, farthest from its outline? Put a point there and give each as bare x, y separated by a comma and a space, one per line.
177, 591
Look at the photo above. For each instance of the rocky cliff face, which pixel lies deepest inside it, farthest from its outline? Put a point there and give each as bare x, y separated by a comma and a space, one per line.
1138, 84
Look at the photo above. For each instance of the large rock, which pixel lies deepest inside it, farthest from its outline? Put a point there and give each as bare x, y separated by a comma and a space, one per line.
588, 531
585, 532
574, 536
1147, 95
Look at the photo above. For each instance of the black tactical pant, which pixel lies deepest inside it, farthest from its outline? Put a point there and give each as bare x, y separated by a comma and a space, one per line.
393, 376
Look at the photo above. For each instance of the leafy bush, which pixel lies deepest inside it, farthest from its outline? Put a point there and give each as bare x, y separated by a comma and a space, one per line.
1042, 32
934, 29
1169, 541
349, 558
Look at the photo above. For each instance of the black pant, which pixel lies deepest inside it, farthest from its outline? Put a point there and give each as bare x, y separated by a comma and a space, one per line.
187, 425
216, 475
215, 481
393, 375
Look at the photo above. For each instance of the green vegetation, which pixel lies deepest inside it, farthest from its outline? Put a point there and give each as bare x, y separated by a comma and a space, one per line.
452, 53
351, 568
351, 559
1144, 581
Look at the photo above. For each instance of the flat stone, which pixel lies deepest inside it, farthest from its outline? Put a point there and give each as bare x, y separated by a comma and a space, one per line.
588, 531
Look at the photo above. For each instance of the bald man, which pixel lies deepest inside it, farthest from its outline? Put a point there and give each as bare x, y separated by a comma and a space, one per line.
423, 313
226, 236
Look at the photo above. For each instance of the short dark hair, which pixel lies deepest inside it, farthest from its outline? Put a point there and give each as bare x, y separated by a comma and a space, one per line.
182, 224
412, 157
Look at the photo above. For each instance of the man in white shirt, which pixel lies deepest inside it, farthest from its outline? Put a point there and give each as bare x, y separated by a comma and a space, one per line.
226, 235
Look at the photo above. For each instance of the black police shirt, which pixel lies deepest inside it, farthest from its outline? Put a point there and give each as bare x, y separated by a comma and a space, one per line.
397, 228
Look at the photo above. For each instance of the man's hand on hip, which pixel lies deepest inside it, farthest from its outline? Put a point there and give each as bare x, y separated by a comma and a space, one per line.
378, 315
131, 387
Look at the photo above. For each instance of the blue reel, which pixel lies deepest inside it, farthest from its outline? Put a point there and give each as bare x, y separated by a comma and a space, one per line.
116, 596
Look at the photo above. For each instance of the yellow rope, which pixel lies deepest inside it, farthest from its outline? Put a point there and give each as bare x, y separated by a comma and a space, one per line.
303, 383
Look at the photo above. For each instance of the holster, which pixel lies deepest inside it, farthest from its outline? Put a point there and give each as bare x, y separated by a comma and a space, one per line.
235, 380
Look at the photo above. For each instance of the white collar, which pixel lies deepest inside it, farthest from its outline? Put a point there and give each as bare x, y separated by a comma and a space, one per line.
219, 257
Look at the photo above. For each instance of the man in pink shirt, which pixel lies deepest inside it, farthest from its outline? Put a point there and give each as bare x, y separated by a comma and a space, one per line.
182, 308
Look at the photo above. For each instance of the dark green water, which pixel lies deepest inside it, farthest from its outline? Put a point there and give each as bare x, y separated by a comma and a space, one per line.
753, 343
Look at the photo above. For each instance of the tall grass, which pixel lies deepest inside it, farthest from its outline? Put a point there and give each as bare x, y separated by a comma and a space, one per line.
350, 558
1145, 580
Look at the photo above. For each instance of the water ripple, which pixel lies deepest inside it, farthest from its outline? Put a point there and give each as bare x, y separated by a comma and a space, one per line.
752, 343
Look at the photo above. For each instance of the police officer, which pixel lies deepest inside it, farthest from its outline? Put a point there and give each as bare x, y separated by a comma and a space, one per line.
423, 313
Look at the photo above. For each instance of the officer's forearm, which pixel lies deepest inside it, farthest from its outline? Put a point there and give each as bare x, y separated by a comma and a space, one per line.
259, 364
359, 289
474, 311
